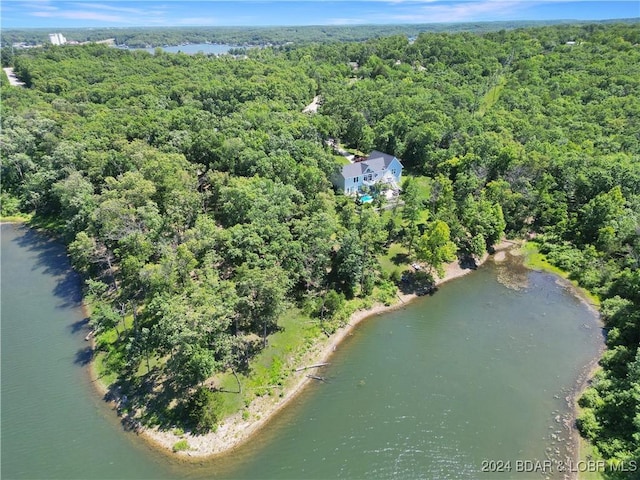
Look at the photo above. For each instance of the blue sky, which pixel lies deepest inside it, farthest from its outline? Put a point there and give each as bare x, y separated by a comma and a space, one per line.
89, 13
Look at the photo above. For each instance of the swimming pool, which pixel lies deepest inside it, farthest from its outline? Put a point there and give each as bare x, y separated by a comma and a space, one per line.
366, 198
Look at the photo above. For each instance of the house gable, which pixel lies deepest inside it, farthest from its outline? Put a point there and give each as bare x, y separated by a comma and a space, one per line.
377, 167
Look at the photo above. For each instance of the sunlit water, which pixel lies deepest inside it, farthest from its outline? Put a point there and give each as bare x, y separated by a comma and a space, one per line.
475, 373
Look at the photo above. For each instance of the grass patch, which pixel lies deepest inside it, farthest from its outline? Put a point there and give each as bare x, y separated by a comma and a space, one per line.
535, 260
340, 160
19, 218
396, 259
424, 186
588, 453
492, 96
353, 151
181, 445
102, 371
50, 224
271, 369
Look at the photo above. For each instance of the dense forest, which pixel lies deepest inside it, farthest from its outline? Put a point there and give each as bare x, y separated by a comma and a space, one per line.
195, 195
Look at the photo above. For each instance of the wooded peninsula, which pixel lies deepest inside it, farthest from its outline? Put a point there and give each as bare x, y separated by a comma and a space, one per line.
200, 197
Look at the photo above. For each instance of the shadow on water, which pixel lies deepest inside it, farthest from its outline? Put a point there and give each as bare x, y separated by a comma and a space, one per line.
421, 282
79, 326
84, 356
52, 257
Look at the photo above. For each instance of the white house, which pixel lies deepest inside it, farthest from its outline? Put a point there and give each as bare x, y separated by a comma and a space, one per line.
377, 168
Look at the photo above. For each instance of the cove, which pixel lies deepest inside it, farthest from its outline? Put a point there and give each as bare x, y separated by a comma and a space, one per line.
478, 371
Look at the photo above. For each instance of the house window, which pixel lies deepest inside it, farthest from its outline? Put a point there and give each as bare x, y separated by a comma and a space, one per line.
355, 180
393, 171
369, 178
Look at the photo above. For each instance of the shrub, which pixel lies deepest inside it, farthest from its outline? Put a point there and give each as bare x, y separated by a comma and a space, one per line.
396, 276
276, 373
181, 445
333, 303
590, 399
368, 283
9, 205
386, 292
203, 410
588, 424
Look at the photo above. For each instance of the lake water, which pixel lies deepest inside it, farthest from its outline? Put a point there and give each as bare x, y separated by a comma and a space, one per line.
477, 372
54, 424
193, 48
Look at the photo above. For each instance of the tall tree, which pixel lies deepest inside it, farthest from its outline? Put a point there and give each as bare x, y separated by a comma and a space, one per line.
435, 247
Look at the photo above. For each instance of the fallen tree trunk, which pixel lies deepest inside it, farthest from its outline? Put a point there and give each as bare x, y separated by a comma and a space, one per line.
311, 366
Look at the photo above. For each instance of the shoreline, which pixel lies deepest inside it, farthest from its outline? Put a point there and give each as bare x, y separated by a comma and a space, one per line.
234, 430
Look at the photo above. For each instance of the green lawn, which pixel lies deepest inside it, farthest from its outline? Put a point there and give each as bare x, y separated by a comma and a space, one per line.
588, 453
424, 186
492, 96
271, 369
342, 160
16, 218
535, 260
396, 258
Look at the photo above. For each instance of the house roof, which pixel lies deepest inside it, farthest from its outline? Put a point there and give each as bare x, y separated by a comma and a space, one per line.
376, 162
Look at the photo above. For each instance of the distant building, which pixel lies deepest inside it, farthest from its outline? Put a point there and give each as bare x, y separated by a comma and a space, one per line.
377, 168
57, 39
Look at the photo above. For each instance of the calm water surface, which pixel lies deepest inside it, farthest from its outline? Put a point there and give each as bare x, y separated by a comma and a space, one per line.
54, 424
477, 372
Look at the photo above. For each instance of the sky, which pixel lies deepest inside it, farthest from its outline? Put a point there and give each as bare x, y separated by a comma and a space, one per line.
120, 13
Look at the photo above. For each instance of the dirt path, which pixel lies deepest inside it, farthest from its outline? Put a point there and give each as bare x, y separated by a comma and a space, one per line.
13, 80
313, 106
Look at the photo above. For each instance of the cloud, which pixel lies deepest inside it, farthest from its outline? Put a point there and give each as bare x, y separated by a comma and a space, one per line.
78, 15
427, 11
111, 8
39, 5
106, 13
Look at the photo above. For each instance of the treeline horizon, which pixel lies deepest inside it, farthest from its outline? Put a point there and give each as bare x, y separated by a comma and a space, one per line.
149, 37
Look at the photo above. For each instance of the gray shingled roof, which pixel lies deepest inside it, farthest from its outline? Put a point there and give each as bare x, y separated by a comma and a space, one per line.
377, 161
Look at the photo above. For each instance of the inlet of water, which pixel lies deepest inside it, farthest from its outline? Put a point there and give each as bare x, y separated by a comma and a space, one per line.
481, 371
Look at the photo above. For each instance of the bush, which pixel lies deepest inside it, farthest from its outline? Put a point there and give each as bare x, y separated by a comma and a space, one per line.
333, 303
396, 276
590, 399
203, 410
367, 285
387, 292
9, 205
180, 446
276, 373
588, 424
